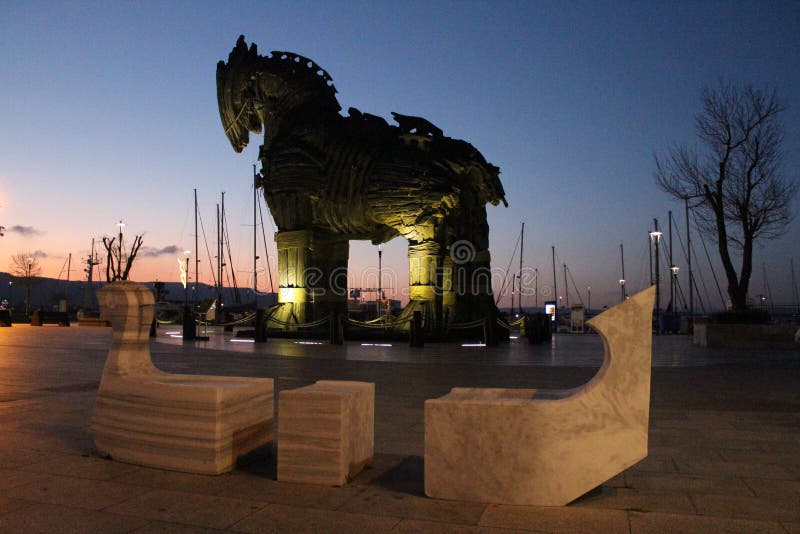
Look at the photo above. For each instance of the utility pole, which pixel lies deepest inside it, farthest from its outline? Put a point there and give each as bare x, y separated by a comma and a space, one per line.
655, 235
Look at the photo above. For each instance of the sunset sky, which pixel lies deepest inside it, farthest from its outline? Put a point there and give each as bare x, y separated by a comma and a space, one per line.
109, 113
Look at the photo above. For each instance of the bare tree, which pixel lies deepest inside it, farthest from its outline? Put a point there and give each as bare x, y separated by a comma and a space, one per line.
25, 269
118, 265
741, 193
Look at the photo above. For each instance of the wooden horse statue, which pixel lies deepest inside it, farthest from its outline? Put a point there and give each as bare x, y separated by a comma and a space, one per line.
328, 179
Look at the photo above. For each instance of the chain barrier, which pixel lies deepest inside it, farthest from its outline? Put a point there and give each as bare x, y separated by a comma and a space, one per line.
464, 326
373, 323
517, 322
312, 324
244, 319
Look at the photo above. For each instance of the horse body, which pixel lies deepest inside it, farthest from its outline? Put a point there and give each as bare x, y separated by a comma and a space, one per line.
329, 178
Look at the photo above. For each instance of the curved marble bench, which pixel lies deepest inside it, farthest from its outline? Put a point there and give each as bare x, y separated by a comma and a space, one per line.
191, 423
546, 448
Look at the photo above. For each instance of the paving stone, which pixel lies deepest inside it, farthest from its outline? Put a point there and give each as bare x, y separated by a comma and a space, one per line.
11, 478
378, 501
187, 508
683, 452
556, 519
654, 463
282, 518
8, 504
674, 482
48, 518
789, 459
266, 490
78, 492
415, 526
14, 454
162, 527
659, 523
726, 434
748, 507
743, 469
82, 467
634, 499
174, 480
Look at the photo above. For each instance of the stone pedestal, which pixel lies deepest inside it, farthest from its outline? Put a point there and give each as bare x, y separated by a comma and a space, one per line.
325, 431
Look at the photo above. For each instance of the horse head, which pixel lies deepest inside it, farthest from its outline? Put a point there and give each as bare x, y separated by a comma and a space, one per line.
255, 90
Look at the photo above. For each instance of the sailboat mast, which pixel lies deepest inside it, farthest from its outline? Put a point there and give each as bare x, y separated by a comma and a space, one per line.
255, 228
566, 285
519, 276
196, 251
794, 287
69, 266
219, 261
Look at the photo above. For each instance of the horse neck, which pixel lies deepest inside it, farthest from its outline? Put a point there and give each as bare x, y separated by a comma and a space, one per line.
296, 107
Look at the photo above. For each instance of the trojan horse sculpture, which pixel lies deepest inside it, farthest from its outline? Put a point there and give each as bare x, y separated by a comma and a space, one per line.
328, 179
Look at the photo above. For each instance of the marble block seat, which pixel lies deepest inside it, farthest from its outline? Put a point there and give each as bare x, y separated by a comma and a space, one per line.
325, 431
547, 448
191, 423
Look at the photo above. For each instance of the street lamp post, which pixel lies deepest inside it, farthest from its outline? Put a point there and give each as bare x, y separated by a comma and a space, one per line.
674, 270
655, 236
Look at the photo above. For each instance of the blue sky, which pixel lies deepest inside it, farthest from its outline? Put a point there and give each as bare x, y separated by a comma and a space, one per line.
109, 112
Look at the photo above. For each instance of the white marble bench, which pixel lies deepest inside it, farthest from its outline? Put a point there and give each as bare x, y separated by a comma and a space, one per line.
325, 431
547, 448
191, 423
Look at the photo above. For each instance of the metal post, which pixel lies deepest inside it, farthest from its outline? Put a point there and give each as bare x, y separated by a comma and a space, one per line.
671, 265
555, 285
689, 259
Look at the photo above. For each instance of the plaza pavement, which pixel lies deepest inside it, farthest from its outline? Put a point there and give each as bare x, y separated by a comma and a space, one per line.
724, 441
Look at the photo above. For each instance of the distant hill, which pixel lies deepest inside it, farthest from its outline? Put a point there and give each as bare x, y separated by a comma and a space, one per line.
47, 292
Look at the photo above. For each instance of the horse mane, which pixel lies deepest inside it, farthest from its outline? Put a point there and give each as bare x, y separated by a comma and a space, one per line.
245, 62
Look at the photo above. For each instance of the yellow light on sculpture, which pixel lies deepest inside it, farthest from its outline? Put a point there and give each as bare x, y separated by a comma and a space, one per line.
182, 267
